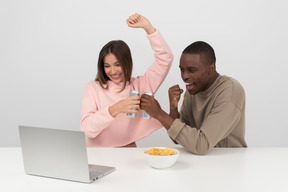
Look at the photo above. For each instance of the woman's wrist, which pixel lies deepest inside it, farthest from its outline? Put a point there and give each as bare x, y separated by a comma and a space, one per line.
112, 111
149, 29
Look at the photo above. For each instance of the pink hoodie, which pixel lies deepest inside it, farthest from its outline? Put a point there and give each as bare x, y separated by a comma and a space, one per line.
100, 127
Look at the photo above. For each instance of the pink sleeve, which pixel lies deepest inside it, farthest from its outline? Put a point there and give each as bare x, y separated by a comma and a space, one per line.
93, 121
155, 74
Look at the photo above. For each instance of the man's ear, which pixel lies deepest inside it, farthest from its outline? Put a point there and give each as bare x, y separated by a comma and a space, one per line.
212, 68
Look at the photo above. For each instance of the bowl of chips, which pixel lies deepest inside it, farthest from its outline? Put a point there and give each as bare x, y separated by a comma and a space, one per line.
161, 157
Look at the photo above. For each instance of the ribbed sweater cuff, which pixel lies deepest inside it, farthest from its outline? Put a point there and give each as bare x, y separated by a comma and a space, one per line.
175, 128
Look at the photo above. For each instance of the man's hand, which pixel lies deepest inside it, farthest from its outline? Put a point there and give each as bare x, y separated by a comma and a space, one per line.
150, 105
174, 95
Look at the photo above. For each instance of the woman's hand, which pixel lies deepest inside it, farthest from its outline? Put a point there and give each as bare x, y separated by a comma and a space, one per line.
129, 105
139, 21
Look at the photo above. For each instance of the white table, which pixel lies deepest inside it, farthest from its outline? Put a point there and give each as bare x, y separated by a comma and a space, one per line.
251, 169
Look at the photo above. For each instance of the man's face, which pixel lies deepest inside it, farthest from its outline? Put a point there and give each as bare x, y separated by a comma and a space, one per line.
194, 73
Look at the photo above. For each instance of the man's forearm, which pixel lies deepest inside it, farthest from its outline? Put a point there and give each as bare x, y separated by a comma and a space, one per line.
165, 119
174, 112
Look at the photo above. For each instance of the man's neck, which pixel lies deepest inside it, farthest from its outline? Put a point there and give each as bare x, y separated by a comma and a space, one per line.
212, 79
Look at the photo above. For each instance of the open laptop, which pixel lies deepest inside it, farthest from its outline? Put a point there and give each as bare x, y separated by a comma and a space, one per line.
60, 154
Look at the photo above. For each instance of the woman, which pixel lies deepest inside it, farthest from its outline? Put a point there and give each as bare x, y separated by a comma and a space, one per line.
107, 100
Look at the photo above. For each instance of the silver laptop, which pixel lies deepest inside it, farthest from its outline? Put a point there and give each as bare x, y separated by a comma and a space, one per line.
60, 154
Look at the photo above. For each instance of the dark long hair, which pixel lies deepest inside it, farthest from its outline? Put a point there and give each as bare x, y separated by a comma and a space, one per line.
122, 52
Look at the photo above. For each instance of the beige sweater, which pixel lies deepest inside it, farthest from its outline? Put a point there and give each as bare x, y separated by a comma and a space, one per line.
212, 118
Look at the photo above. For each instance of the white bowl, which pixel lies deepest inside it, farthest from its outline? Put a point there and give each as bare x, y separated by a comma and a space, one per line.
161, 162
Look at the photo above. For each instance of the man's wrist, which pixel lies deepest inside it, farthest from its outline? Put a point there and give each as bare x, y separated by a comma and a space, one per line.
161, 114
165, 119
174, 112
173, 106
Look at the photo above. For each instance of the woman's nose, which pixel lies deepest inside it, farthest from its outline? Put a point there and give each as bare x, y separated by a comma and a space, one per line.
113, 70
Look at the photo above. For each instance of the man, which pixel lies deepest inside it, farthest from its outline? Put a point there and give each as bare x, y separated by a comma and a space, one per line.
213, 109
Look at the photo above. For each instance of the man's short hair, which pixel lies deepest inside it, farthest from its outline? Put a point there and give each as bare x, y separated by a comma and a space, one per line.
207, 54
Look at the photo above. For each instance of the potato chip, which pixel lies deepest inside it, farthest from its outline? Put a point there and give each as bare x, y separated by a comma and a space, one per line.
161, 152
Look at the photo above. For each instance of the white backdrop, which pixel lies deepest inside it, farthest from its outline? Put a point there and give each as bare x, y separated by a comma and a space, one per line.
49, 51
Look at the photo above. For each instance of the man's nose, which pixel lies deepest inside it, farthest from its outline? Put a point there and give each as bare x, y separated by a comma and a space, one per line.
184, 76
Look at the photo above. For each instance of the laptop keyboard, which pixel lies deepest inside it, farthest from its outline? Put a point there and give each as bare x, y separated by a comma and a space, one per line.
94, 174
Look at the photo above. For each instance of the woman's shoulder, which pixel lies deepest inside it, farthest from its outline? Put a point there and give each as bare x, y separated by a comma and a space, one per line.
93, 85
134, 81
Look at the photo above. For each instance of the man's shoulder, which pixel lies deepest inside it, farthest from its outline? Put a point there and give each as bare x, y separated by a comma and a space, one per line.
230, 82
231, 89
235, 83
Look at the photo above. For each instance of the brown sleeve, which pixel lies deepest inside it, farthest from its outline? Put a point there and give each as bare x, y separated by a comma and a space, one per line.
218, 124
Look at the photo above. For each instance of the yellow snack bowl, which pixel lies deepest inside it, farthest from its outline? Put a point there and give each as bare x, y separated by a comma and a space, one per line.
161, 157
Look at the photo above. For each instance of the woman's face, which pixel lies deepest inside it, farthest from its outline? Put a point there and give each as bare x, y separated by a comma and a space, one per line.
113, 68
